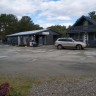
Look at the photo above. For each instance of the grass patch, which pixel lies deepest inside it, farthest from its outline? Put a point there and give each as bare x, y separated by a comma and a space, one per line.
22, 83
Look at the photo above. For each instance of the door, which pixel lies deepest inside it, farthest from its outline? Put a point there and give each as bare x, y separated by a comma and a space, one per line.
70, 43
45, 40
62, 42
40, 40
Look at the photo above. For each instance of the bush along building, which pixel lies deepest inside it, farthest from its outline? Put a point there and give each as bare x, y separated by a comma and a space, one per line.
42, 37
84, 30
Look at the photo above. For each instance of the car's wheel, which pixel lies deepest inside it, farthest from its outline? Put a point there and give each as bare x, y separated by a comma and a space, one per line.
78, 47
59, 47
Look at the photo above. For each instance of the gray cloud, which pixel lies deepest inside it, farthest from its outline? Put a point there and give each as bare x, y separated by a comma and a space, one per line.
52, 10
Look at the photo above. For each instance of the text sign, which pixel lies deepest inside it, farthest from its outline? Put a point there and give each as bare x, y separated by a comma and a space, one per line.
45, 33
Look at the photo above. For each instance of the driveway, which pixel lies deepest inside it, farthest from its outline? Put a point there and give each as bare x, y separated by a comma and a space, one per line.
47, 61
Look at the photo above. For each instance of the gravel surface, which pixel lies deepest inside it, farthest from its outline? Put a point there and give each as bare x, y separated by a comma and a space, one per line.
86, 87
47, 61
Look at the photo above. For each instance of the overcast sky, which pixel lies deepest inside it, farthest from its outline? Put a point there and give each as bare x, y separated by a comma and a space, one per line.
48, 12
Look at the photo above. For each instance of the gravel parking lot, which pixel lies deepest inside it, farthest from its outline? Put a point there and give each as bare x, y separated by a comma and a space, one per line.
47, 61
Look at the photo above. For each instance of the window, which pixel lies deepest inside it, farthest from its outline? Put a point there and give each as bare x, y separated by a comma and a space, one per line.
62, 40
86, 23
69, 40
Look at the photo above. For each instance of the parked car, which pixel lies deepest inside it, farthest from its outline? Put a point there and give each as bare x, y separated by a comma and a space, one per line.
69, 43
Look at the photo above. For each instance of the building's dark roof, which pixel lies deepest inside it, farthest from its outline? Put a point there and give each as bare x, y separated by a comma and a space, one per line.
30, 32
91, 20
87, 18
76, 29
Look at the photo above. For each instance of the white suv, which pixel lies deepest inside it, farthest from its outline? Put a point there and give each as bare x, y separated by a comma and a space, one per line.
69, 43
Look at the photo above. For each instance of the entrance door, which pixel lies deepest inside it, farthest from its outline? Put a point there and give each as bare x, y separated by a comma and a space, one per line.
45, 40
40, 40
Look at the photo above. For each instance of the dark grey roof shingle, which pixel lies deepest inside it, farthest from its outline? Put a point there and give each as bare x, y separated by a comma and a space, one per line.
89, 29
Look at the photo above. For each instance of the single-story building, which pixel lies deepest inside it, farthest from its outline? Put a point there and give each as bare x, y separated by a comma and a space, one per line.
43, 36
84, 30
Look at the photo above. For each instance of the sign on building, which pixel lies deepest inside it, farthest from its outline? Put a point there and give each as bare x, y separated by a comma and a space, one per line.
45, 33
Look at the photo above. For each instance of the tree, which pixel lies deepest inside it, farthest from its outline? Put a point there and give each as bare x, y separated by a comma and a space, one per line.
26, 24
8, 25
37, 27
69, 27
60, 29
92, 14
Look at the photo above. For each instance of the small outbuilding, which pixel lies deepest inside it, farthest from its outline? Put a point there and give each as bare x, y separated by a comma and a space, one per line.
41, 37
84, 30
